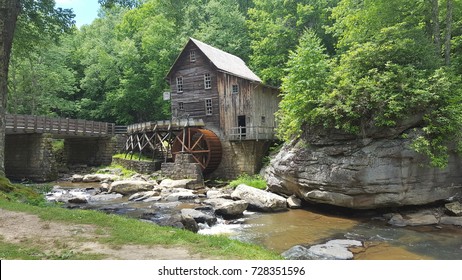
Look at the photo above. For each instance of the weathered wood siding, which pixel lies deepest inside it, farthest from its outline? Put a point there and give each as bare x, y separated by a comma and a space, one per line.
253, 100
194, 93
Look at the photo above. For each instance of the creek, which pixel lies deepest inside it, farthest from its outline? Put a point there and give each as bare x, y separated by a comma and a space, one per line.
309, 226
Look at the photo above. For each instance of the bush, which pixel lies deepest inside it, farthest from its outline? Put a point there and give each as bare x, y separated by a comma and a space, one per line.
255, 181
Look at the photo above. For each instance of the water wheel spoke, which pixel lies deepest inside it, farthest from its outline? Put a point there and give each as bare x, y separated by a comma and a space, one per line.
199, 161
197, 142
199, 152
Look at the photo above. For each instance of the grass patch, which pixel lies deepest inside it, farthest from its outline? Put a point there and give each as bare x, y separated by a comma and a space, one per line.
133, 157
255, 181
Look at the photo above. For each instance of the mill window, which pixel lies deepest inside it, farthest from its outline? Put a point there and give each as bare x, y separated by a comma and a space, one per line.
192, 56
179, 84
208, 107
235, 89
207, 81
180, 106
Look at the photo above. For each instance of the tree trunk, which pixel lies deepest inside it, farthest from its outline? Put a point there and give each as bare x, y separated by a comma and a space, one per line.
447, 40
436, 27
9, 10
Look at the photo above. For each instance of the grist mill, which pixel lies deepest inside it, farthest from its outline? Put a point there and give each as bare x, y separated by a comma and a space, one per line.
222, 115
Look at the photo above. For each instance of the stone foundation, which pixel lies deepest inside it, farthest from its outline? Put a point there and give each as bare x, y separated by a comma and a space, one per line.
90, 151
184, 167
30, 157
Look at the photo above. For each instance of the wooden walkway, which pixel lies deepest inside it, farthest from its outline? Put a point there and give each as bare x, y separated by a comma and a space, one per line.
25, 124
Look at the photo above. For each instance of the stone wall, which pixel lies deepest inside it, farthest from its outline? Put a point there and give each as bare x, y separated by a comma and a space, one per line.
30, 157
90, 151
143, 167
240, 157
184, 167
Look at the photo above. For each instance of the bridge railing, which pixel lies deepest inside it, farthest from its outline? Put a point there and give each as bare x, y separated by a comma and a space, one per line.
18, 124
251, 133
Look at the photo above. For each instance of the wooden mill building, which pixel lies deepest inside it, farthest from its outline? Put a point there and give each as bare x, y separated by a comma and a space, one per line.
215, 86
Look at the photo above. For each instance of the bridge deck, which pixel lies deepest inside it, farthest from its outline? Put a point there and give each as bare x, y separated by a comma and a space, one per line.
25, 124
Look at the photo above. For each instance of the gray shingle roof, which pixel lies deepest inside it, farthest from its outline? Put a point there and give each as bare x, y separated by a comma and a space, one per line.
226, 62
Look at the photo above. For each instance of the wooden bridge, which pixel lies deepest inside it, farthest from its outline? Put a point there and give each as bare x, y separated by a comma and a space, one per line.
25, 124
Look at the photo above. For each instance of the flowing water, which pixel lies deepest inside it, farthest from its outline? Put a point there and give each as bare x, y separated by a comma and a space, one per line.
281, 231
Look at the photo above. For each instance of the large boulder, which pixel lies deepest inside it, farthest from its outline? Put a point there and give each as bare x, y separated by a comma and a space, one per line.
129, 187
260, 200
366, 173
226, 207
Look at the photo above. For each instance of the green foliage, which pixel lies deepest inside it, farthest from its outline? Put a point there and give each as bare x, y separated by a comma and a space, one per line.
305, 82
255, 181
275, 27
386, 73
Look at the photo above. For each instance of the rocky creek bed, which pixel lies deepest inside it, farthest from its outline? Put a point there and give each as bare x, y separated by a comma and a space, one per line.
263, 217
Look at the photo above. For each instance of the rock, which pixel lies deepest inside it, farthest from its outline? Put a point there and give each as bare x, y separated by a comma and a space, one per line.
76, 178
77, 200
455, 208
180, 196
105, 197
361, 173
128, 187
397, 220
294, 202
218, 194
298, 252
185, 183
90, 178
189, 223
260, 200
424, 218
105, 187
226, 207
455, 221
153, 199
199, 216
142, 196
333, 250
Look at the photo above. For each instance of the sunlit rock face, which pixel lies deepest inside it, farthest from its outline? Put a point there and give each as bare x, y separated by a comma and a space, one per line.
372, 172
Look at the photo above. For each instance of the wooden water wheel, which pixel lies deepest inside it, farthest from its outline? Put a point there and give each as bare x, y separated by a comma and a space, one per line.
202, 144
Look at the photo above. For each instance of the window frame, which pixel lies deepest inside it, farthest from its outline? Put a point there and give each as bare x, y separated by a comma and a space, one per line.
192, 56
208, 107
207, 81
181, 106
235, 86
179, 84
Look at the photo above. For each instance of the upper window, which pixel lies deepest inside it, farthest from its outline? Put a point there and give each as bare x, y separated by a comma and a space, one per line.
263, 120
235, 89
192, 56
207, 81
179, 84
208, 106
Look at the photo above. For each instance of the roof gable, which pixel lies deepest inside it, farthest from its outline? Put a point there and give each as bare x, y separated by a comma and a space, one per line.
223, 61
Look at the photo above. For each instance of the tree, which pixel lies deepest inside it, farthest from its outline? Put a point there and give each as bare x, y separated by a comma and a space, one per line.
305, 82
40, 12
275, 27
9, 11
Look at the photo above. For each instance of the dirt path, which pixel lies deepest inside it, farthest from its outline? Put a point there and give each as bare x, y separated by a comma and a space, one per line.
53, 237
